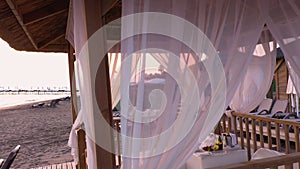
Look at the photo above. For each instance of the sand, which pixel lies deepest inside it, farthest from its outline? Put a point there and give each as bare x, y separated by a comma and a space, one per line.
42, 133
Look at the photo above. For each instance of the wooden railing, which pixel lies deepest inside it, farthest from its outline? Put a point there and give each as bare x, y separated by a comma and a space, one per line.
255, 132
289, 161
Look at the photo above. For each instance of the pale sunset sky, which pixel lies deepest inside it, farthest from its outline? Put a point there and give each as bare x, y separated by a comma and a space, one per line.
27, 70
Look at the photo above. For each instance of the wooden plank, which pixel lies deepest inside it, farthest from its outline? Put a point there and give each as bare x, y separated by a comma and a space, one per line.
265, 163
297, 144
274, 121
229, 125
269, 135
277, 130
81, 149
104, 159
45, 12
224, 124
254, 135
107, 5
58, 166
287, 139
18, 16
64, 166
81, 134
241, 132
261, 134
72, 80
69, 165
288, 166
235, 127
248, 139
73, 165
51, 38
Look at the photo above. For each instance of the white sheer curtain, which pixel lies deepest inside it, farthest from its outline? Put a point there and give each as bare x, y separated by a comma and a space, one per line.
76, 34
257, 81
233, 27
283, 20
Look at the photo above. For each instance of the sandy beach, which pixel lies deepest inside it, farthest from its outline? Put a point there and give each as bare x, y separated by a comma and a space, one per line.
42, 133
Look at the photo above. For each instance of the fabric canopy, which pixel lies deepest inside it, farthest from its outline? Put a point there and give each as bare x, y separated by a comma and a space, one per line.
204, 52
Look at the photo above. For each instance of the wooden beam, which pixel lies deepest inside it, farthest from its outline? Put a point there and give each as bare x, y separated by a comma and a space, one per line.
49, 40
71, 60
104, 159
45, 12
19, 18
80, 133
107, 5
278, 65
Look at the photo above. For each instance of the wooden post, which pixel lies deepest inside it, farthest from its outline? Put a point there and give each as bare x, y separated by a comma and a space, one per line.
93, 16
71, 60
81, 133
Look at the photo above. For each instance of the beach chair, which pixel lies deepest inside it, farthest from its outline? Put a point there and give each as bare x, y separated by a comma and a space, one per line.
1, 162
53, 103
264, 107
11, 157
279, 106
38, 105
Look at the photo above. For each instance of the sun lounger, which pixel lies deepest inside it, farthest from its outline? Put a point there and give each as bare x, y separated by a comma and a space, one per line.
11, 157
53, 103
279, 106
1, 162
38, 105
264, 107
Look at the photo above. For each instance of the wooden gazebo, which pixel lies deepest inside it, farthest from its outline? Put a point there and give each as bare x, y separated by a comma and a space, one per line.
40, 26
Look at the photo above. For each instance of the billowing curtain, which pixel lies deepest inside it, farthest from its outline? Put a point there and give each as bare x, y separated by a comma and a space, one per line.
283, 20
76, 34
258, 78
174, 82
163, 124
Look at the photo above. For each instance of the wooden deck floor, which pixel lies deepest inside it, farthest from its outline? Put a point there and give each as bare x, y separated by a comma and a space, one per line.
68, 165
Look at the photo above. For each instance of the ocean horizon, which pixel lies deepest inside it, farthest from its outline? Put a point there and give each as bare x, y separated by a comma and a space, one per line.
9, 100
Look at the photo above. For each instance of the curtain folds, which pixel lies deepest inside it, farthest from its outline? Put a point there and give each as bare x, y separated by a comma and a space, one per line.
232, 28
258, 78
181, 64
283, 20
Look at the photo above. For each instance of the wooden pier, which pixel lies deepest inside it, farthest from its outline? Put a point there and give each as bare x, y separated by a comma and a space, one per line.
68, 165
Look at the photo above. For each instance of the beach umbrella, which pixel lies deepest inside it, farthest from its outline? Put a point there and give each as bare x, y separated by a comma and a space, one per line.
294, 96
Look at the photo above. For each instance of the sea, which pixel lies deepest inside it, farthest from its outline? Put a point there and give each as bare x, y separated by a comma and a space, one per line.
9, 100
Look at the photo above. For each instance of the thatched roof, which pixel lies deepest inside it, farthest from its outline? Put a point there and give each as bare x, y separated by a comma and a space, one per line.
34, 25
39, 25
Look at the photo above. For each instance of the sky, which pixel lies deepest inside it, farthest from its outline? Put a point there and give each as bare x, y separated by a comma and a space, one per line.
32, 70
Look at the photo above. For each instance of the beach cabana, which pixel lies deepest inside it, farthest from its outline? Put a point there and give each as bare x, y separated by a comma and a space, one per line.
214, 53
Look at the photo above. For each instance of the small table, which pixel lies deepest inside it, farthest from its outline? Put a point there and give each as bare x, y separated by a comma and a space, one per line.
201, 160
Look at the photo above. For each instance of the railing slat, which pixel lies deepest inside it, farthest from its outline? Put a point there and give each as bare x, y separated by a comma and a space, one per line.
296, 132
269, 135
241, 132
224, 123
287, 139
288, 166
248, 138
261, 134
254, 135
229, 125
272, 162
277, 130
235, 127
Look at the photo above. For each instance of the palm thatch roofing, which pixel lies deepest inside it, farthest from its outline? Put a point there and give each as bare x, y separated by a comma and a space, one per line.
39, 25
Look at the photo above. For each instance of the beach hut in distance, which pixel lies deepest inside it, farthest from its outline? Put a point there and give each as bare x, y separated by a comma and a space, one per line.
229, 30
